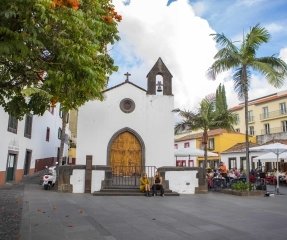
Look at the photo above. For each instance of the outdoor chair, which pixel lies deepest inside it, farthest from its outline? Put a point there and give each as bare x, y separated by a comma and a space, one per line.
218, 184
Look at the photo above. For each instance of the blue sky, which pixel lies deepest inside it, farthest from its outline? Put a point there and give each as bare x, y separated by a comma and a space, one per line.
179, 32
232, 17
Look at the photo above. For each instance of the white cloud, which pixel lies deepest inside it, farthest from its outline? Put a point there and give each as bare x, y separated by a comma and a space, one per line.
249, 3
150, 29
283, 54
274, 27
199, 8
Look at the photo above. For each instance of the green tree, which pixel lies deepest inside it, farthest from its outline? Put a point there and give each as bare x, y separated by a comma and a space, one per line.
242, 60
220, 98
205, 118
57, 51
19, 49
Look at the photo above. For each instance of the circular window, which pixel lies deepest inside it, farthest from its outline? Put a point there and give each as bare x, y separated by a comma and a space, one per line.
127, 105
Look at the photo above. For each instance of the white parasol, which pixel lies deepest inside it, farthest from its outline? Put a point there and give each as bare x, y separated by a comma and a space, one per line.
277, 149
192, 152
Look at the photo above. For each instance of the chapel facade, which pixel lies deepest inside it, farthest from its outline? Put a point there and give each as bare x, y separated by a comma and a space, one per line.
132, 128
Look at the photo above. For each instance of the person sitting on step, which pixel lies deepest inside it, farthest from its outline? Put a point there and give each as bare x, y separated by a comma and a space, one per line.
145, 185
157, 185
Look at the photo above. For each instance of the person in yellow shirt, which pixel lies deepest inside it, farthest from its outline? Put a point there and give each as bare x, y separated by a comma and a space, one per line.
145, 185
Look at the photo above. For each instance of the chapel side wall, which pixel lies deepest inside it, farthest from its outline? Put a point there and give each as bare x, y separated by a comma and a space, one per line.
159, 131
152, 120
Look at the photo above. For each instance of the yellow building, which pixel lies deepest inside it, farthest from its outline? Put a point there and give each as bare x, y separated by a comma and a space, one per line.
219, 140
267, 117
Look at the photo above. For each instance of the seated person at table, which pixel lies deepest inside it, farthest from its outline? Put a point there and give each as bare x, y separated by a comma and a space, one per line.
157, 185
145, 185
236, 172
223, 169
231, 174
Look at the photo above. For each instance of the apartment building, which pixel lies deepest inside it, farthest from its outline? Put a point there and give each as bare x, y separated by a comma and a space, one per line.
28, 145
267, 117
219, 140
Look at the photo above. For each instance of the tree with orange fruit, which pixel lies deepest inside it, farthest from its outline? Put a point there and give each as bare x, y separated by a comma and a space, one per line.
64, 39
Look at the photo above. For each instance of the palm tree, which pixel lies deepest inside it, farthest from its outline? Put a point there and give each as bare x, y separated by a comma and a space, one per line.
242, 60
207, 117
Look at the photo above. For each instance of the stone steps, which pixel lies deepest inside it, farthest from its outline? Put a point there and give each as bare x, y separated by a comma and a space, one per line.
128, 192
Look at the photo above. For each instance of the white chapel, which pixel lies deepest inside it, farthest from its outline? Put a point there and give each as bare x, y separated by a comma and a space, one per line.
132, 126
130, 132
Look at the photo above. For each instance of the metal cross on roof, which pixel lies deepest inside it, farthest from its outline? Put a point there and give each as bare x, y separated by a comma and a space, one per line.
127, 74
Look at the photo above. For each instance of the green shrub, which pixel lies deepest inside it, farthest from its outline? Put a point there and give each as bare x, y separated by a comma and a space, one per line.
242, 186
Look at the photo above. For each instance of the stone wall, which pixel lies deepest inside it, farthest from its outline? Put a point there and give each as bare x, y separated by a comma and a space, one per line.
184, 180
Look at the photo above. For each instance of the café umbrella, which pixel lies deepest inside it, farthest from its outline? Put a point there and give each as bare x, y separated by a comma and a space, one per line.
192, 152
277, 149
270, 157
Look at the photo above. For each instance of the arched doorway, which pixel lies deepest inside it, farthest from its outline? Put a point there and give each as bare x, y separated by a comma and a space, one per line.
126, 154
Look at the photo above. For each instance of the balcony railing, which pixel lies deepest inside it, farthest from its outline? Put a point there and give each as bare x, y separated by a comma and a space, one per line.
273, 114
273, 130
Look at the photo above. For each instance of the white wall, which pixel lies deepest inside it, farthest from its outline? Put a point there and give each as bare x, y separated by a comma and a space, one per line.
77, 179
152, 119
97, 177
38, 144
183, 182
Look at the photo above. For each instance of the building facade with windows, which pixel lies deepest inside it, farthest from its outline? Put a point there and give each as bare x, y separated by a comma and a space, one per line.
219, 140
235, 157
185, 161
28, 145
267, 117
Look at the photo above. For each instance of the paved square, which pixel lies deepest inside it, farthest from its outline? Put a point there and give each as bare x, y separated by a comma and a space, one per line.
53, 215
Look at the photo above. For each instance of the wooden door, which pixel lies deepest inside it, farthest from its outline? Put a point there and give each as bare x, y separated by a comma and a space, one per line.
125, 155
10, 167
27, 162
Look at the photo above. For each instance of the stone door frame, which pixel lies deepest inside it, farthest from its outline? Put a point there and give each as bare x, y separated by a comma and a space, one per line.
115, 135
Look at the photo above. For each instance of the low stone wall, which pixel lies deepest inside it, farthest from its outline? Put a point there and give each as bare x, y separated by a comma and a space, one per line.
184, 180
81, 178
73, 178
243, 193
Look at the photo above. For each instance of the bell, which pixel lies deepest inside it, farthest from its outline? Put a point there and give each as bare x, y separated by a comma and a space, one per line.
159, 88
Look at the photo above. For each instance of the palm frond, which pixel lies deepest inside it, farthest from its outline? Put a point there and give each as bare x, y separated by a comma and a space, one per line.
225, 42
241, 85
226, 58
275, 72
179, 127
222, 65
224, 119
256, 36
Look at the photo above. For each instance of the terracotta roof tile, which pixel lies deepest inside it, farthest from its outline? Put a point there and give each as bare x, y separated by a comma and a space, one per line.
261, 100
239, 147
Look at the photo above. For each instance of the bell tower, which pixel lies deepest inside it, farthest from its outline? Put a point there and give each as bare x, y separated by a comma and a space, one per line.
159, 69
